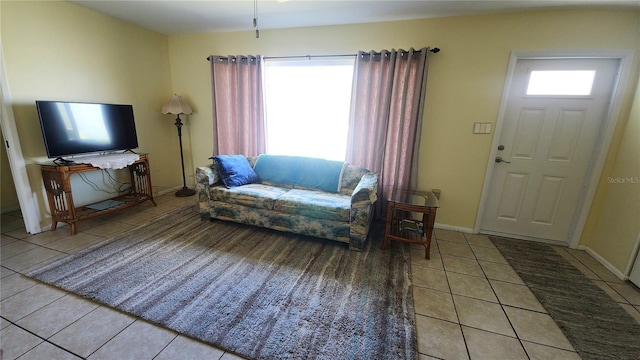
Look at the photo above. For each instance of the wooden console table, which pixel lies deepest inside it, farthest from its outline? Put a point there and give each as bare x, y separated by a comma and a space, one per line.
58, 188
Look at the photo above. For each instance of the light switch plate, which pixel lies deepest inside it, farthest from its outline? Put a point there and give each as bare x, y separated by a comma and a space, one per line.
482, 128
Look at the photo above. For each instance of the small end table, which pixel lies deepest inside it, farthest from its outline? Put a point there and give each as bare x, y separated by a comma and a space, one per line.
411, 215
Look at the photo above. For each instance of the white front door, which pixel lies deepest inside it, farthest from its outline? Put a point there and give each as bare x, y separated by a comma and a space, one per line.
554, 116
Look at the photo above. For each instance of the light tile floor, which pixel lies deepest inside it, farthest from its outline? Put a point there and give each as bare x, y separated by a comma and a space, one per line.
469, 302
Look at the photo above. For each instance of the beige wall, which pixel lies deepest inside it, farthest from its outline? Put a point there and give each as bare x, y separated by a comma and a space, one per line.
8, 196
614, 221
465, 83
60, 51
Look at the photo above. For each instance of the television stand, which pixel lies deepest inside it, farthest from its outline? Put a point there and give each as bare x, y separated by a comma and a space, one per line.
60, 196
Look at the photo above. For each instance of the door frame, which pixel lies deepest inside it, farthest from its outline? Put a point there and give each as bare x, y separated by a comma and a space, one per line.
625, 58
17, 163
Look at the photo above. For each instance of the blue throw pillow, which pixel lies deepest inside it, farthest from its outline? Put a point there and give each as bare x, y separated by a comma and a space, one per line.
235, 170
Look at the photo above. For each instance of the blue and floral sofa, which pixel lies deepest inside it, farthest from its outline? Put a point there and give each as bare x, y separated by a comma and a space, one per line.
315, 197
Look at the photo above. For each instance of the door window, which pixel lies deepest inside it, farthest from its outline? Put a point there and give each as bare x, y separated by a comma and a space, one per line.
561, 82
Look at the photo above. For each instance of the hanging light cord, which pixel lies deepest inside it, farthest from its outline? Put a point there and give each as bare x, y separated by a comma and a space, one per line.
255, 18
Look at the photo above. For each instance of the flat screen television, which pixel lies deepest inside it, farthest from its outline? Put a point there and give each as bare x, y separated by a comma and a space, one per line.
72, 128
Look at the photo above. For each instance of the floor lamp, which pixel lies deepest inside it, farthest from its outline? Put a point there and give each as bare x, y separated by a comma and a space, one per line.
178, 106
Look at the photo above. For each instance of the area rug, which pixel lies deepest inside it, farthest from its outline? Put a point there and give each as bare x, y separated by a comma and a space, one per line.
258, 293
596, 326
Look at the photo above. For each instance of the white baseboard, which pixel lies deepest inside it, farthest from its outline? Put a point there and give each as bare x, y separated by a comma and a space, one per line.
168, 190
453, 228
604, 262
4, 211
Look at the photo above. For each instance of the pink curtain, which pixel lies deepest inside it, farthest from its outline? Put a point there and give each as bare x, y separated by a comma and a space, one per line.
238, 110
386, 117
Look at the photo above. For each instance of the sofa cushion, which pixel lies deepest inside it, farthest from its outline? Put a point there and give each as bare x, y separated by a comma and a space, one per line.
253, 195
315, 204
235, 170
301, 171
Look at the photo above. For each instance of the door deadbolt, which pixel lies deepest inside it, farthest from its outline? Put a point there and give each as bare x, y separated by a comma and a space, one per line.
500, 147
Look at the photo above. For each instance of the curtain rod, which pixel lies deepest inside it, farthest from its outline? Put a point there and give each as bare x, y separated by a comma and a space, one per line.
435, 50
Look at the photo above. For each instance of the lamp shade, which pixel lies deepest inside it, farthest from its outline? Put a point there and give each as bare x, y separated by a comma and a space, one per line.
176, 106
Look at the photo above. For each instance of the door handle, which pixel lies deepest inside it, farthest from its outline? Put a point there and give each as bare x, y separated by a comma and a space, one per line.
499, 160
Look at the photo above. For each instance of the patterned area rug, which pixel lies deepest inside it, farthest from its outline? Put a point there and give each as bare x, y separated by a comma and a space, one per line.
597, 327
258, 293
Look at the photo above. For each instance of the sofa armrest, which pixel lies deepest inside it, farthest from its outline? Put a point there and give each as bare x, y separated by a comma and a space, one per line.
205, 177
364, 196
366, 191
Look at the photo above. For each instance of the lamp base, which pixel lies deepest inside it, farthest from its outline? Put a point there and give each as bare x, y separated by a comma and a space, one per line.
185, 192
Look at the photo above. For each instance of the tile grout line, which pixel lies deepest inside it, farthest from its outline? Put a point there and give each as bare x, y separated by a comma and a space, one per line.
455, 307
39, 337
164, 347
501, 305
599, 278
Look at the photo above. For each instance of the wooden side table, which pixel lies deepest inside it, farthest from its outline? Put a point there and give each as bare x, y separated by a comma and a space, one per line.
60, 195
410, 218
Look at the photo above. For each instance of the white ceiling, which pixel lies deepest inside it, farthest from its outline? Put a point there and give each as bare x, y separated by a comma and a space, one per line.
173, 17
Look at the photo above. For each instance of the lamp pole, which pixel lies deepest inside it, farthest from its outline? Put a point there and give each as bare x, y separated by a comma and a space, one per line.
185, 191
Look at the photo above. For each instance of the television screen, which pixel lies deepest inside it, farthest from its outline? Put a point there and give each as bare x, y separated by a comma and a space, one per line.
71, 128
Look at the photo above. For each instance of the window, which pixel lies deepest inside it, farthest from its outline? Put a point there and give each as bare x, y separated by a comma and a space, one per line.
307, 104
561, 82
